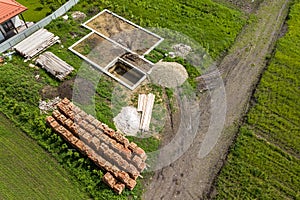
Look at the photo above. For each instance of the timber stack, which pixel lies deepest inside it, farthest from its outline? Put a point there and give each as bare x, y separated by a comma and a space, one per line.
123, 161
54, 65
145, 106
36, 43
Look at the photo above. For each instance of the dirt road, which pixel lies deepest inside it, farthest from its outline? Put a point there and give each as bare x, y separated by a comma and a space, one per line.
191, 177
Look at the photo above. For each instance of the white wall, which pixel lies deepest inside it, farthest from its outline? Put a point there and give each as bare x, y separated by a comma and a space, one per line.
1, 35
17, 22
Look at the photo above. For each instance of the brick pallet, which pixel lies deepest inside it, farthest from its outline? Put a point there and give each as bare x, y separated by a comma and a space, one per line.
122, 160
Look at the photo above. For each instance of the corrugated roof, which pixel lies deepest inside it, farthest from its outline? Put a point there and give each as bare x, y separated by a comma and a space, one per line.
9, 9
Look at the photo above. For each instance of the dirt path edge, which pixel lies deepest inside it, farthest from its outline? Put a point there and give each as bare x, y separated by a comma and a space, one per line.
192, 178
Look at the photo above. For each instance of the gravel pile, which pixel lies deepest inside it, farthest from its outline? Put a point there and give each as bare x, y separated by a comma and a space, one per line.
128, 121
168, 74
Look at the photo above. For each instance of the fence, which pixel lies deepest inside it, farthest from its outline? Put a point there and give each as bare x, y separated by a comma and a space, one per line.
42, 23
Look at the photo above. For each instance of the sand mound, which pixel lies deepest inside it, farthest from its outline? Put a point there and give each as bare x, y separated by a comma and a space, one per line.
168, 74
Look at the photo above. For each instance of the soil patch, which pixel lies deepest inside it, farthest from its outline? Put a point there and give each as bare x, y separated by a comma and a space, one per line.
123, 32
248, 6
65, 90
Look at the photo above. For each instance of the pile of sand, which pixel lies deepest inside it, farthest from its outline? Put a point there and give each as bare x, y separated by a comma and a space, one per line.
168, 74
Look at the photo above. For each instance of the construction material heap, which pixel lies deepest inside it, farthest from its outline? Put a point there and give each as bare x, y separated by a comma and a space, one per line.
36, 43
122, 160
54, 65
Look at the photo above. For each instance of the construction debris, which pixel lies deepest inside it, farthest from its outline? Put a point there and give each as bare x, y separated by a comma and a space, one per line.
65, 17
145, 105
122, 160
36, 43
128, 121
54, 65
77, 15
50, 105
181, 50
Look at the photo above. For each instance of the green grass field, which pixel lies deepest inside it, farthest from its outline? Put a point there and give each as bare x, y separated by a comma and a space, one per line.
27, 172
257, 169
36, 11
213, 26
276, 115
264, 163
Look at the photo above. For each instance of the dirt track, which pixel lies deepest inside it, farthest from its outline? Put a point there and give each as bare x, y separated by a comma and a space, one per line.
190, 177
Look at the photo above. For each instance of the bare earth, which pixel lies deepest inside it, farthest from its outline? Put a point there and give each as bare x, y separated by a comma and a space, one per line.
190, 177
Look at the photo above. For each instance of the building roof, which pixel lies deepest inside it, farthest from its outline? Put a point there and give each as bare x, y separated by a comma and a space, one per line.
10, 9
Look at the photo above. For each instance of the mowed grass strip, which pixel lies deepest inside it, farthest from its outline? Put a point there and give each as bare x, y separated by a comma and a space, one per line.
257, 169
27, 172
276, 115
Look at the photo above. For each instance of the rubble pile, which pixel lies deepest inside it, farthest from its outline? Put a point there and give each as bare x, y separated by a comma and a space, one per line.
181, 50
111, 151
50, 105
77, 15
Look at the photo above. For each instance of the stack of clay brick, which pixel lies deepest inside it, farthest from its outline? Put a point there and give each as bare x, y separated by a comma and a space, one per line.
122, 160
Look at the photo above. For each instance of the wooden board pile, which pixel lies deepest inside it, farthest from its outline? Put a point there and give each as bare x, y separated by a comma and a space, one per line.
145, 105
36, 43
54, 65
122, 160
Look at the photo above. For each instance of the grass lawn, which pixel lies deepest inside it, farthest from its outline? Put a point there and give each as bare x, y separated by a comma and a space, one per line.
257, 169
276, 115
36, 11
27, 172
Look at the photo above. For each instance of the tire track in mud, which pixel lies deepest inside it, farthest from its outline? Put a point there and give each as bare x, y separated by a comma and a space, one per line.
190, 177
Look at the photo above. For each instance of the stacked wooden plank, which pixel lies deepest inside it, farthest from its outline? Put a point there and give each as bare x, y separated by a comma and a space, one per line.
122, 160
54, 65
145, 105
36, 43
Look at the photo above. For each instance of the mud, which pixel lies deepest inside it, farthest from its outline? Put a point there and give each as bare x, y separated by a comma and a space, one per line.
191, 177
